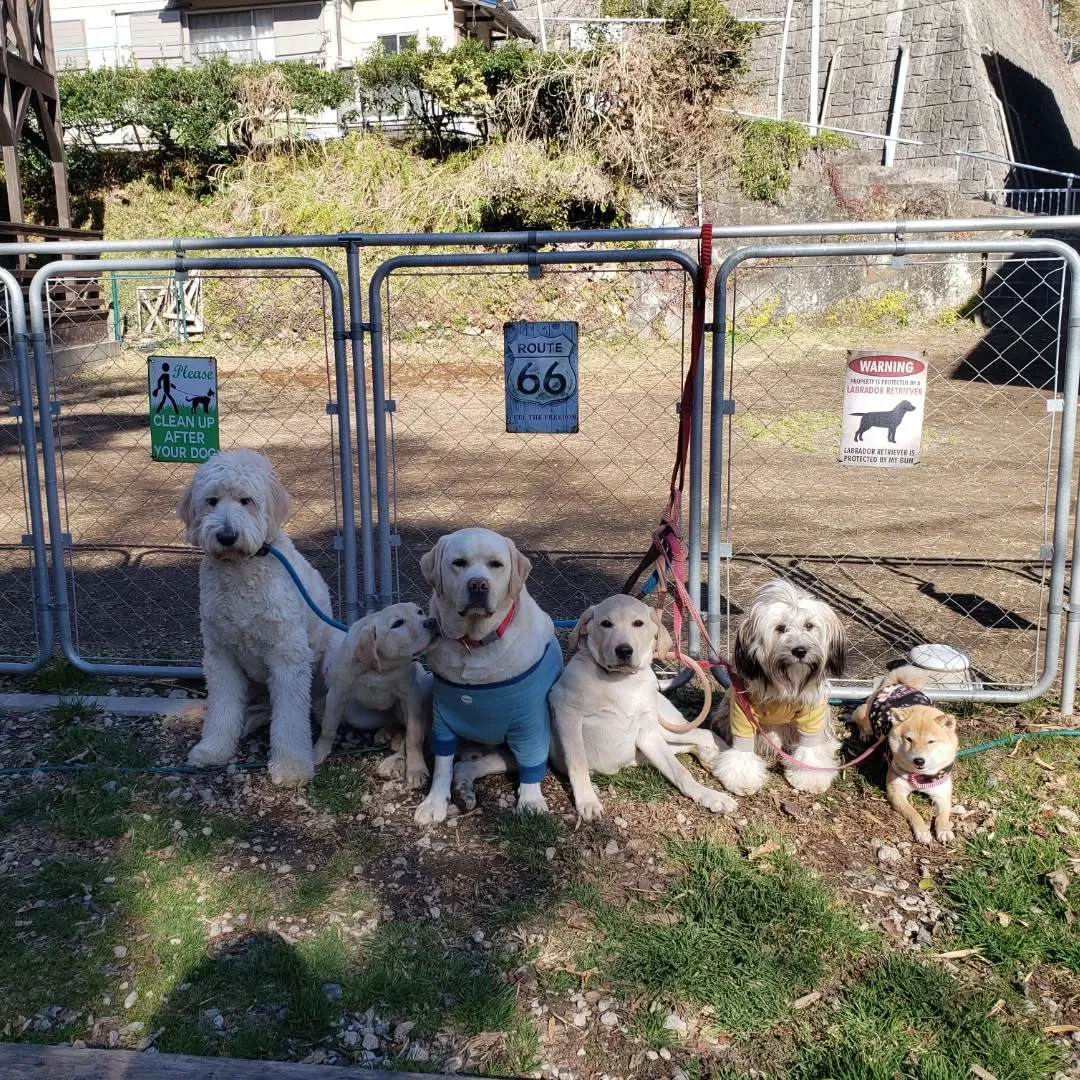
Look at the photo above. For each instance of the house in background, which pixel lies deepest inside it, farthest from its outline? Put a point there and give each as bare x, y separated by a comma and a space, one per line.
330, 33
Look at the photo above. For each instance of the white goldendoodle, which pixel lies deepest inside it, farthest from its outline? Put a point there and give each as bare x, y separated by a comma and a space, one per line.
256, 627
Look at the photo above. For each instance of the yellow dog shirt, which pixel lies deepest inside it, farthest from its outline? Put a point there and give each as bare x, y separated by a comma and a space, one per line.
779, 714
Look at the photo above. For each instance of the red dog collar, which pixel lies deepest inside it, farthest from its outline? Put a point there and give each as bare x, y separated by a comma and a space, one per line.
493, 635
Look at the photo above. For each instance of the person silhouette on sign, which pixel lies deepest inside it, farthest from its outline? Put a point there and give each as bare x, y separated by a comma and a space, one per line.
164, 387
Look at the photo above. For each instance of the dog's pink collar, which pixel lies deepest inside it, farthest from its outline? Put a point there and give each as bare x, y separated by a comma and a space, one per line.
921, 781
493, 635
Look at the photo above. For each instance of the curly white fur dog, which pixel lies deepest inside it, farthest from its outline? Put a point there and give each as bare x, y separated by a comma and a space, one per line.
256, 627
787, 645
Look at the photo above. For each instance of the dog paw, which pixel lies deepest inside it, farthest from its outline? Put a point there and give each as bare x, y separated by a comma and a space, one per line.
417, 776
590, 809
813, 783
921, 834
291, 772
464, 796
741, 772
392, 767
532, 803
206, 753
716, 801
945, 836
322, 751
431, 811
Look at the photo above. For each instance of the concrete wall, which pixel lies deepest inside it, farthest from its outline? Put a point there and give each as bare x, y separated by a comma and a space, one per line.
950, 103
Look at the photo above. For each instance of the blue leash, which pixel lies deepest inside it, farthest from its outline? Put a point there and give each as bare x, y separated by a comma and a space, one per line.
270, 550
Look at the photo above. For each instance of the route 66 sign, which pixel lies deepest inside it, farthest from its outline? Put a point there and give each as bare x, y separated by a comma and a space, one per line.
541, 370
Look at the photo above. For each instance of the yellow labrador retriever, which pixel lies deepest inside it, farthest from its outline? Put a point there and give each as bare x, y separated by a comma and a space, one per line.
375, 682
606, 708
494, 663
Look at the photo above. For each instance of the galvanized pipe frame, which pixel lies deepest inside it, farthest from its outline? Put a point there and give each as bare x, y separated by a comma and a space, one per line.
1066, 452
69, 268
524, 258
24, 389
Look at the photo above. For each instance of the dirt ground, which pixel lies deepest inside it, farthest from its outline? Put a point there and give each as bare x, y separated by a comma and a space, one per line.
947, 551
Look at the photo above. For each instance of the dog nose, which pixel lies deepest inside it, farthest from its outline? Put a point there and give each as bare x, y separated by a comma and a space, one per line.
226, 537
431, 625
918, 762
478, 585
799, 652
624, 652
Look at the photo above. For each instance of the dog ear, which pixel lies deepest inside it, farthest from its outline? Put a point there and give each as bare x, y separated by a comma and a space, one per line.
947, 721
664, 649
836, 645
746, 658
278, 504
431, 565
367, 650
185, 509
581, 630
520, 568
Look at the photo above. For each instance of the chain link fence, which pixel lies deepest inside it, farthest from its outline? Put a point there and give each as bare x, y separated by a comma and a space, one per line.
955, 550
582, 505
132, 580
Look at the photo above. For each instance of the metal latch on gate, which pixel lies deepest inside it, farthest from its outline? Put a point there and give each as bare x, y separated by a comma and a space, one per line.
339, 540
390, 405
723, 550
727, 407
1054, 405
331, 408
395, 540
1046, 552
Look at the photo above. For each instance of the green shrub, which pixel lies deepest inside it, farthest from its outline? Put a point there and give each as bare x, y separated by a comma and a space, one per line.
771, 149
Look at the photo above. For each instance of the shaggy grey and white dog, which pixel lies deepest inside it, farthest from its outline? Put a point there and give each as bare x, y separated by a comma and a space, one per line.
787, 646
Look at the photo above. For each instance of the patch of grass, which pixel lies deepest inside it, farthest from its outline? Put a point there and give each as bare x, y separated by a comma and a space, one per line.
892, 309
85, 807
59, 676
804, 431
527, 835
338, 787
907, 1019
641, 782
74, 710
95, 746
648, 1026
745, 938
771, 150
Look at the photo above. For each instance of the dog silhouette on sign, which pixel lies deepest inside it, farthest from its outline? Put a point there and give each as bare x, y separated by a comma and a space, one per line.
890, 419
203, 402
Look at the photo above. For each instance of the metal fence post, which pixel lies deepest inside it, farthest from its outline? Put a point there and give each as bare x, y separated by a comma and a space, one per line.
24, 386
363, 463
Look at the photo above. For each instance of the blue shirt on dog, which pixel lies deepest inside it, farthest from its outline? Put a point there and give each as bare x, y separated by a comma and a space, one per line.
514, 712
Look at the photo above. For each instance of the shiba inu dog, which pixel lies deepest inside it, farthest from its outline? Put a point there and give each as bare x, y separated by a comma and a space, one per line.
920, 745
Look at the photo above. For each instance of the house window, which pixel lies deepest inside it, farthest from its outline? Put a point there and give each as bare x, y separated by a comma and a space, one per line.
69, 44
286, 33
395, 43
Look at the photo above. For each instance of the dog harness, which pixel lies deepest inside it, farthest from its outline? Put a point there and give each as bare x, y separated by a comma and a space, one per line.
880, 714
514, 712
779, 714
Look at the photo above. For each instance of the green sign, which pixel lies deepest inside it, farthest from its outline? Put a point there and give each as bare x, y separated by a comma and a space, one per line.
183, 408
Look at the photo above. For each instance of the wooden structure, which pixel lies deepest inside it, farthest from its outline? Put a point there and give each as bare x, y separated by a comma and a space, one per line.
28, 88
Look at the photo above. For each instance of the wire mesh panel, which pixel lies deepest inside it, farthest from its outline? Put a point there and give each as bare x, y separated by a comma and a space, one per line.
132, 578
19, 635
582, 505
955, 549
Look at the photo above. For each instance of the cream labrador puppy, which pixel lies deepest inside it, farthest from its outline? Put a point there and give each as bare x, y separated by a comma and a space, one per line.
493, 665
256, 628
606, 708
376, 682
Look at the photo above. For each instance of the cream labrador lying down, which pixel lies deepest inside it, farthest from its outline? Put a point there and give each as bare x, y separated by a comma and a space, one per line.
606, 708
375, 682
493, 666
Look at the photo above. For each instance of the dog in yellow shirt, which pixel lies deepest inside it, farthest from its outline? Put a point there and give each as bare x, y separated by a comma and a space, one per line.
787, 646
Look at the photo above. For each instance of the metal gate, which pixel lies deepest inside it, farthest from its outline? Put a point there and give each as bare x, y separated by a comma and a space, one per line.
124, 577
968, 548
583, 505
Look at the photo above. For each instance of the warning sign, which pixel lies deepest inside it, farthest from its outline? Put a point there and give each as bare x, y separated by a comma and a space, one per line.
884, 404
183, 408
